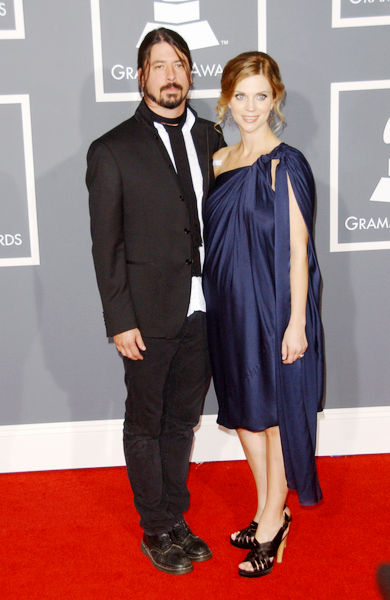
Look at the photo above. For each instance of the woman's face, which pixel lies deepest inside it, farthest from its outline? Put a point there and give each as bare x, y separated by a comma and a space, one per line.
251, 103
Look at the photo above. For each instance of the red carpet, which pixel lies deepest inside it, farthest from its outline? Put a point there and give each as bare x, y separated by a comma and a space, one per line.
74, 534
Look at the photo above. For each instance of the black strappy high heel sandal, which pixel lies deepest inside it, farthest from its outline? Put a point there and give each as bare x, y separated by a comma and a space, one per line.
262, 556
244, 538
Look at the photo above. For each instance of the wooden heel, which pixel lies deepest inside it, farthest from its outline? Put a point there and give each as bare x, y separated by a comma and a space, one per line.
279, 554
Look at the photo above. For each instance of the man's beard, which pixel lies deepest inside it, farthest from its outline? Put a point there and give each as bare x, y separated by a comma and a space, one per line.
170, 101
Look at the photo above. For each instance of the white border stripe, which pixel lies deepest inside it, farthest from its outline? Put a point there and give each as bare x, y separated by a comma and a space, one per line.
335, 89
33, 259
262, 26
334, 167
97, 51
84, 444
102, 96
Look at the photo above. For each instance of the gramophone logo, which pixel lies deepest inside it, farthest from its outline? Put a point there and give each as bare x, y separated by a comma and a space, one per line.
359, 183
11, 20
382, 190
213, 30
184, 18
360, 13
19, 244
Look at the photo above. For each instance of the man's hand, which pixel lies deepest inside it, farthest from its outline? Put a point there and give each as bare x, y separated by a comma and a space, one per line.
129, 343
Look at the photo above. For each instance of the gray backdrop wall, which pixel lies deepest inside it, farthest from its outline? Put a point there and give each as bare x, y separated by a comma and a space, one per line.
72, 77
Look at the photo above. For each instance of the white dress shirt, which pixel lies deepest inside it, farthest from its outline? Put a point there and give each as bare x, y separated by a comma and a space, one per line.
197, 301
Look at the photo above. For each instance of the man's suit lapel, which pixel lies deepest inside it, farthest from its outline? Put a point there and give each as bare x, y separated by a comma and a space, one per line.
201, 143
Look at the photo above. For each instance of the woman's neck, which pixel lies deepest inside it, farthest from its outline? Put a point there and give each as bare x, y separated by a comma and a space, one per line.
256, 144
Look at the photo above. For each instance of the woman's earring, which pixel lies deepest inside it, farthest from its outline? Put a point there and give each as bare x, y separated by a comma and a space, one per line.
228, 118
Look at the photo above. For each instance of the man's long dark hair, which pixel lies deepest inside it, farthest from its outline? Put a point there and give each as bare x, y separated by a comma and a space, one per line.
155, 37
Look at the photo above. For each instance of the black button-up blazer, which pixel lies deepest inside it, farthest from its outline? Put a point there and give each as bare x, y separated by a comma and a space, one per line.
138, 225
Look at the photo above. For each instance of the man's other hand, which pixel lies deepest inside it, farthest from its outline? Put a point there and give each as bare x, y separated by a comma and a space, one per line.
129, 343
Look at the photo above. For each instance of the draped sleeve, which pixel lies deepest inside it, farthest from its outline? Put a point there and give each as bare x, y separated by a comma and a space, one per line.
300, 385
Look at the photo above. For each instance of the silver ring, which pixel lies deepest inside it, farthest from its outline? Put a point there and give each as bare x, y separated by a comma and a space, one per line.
301, 355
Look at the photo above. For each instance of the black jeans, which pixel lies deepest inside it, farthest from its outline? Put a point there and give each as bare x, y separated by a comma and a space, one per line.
165, 396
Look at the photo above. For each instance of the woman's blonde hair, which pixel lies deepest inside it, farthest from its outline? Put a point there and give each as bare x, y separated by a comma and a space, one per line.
245, 65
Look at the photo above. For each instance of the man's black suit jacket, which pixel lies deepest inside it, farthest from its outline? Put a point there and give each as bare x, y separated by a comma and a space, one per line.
139, 225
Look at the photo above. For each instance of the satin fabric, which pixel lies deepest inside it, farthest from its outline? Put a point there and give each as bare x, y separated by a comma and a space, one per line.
247, 290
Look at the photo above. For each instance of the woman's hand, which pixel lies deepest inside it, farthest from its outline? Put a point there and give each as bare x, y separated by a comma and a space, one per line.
294, 343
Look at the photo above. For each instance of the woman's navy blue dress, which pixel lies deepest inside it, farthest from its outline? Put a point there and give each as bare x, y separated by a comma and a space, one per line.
247, 290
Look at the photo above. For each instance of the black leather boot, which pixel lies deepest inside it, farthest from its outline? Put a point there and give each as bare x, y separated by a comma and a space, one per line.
165, 555
195, 548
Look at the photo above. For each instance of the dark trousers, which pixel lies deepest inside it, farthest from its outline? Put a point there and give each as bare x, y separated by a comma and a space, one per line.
165, 394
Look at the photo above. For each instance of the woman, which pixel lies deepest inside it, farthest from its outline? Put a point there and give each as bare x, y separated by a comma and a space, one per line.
262, 286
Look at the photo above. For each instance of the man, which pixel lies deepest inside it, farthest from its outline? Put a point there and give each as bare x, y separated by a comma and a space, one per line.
147, 179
